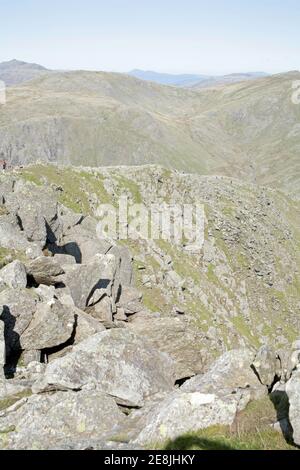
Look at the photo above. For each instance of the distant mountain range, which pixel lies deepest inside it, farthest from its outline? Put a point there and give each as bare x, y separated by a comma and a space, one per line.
194, 81
184, 80
15, 72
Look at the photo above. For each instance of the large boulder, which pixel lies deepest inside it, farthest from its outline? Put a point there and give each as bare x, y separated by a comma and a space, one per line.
293, 393
13, 239
83, 244
88, 283
117, 362
17, 307
44, 270
267, 365
49, 421
232, 371
14, 275
52, 325
175, 337
181, 413
37, 209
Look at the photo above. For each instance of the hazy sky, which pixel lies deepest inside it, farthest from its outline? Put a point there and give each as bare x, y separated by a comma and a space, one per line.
196, 36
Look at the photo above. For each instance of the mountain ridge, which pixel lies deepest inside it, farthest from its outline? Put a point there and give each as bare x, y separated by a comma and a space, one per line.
14, 72
194, 80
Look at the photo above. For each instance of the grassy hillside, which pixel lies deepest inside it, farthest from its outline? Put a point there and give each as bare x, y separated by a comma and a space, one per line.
248, 130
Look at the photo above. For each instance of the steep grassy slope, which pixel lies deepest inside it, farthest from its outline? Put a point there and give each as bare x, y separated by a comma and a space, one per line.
242, 288
248, 130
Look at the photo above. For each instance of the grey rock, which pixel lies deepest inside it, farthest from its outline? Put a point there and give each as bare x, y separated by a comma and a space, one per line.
69, 219
173, 280
49, 421
130, 300
44, 270
36, 206
13, 239
174, 336
184, 412
17, 307
45, 293
266, 365
120, 315
103, 310
117, 362
293, 393
52, 325
83, 244
88, 283
62, 259
30, 356
126, 276
230, 372
86, 326
63, 294
33, 223
14, 275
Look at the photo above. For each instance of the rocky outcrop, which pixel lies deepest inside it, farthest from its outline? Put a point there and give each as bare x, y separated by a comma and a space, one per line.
49, 421
162, 338
116, 362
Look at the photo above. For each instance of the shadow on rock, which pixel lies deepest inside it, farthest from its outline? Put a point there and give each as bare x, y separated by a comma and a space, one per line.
12, 342
281, 404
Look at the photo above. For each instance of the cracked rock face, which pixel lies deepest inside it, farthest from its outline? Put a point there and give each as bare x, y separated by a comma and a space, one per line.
116, 362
